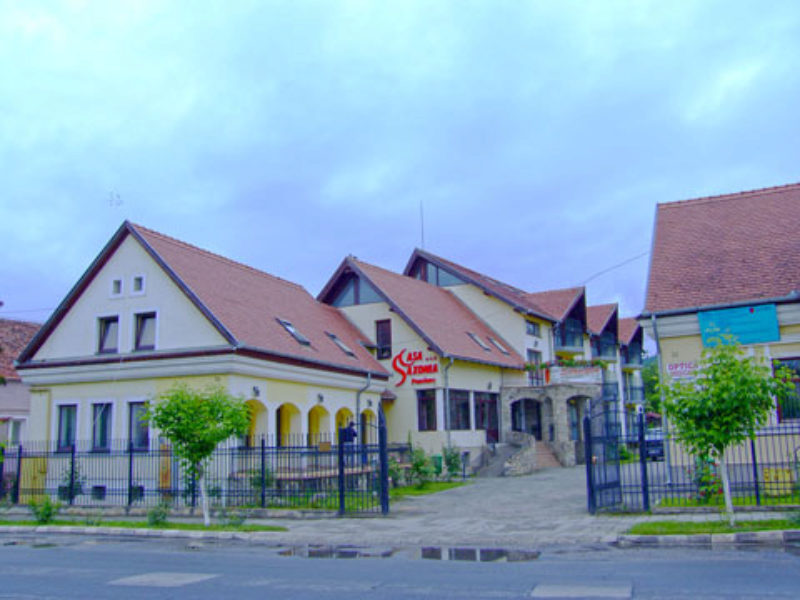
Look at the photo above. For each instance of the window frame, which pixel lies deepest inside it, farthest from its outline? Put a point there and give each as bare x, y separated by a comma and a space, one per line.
102, 335
73, 427
795, 417
143, 290
459, 410
533, 328
426, 398
294, 332
383, 350
138, 329
135, 444
99, 447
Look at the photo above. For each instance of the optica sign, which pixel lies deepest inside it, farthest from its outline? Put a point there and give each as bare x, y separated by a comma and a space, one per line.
416, 366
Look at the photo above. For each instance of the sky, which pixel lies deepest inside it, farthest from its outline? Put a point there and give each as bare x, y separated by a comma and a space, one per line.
527, 140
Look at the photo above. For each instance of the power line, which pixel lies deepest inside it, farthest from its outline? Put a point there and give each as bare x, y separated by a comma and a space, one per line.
617, 266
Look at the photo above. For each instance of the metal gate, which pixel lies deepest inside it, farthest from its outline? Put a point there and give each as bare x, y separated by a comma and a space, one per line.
364, 468
602, 439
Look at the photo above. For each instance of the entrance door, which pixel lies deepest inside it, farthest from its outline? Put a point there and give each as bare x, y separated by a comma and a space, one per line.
486, 415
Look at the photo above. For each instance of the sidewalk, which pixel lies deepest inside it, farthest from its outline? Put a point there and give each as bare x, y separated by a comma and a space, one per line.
544, 509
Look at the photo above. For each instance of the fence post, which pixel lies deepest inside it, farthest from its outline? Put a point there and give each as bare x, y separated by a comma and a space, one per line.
263, 472
2, 462
71, 494
384, 462
130, 472
341, 473
643, 464
587, 451
755, 471
19, 474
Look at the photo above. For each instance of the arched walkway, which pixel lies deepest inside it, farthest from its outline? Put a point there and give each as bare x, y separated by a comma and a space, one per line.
258, 422
369, 427
526, 416
319, 426
288, 425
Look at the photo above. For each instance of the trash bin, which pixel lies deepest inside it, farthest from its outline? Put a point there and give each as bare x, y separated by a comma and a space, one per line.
437, 464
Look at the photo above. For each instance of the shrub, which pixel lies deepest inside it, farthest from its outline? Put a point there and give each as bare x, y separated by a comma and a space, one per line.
421, 470
452, 461
624, 453
44, 510
157, 515
395, 472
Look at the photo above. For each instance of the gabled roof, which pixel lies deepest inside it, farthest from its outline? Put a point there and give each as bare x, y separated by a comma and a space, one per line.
599, 316
628, 327
558, 303
243, 303
14, 336
723, 250
435, 314
517, 298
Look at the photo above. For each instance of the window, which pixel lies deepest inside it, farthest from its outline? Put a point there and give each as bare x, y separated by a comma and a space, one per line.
574, 421
426, 410
116, 287
342, 346
532, 328
138, 427
145, 331
101, 427
301, 339
383, 338
535, 376
790, 407
499, 346
138, 284
479, 341
459, 409
66, 426
15, 431
108, 335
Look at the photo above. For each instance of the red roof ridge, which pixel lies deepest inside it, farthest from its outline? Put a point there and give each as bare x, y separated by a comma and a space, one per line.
731, 196
213, 255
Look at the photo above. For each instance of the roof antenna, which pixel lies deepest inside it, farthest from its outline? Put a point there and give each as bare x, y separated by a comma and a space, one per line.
421, 226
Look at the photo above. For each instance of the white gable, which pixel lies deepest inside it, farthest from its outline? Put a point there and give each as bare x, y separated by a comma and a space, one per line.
131, 283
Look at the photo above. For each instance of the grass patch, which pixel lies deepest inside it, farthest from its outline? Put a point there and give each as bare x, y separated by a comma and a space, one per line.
432, 487
699, 527
719, 500
143, 525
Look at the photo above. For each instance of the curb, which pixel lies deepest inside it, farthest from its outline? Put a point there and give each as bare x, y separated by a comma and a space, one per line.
747, 538
248, 536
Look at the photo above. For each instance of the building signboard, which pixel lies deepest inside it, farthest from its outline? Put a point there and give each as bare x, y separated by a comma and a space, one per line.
416, 366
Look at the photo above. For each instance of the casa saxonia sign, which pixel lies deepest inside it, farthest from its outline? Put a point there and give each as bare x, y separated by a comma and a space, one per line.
421, 368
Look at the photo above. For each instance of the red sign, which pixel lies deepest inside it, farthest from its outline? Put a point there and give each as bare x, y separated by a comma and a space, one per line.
413, 364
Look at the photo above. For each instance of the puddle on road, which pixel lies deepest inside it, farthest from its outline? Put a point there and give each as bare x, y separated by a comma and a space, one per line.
425, 553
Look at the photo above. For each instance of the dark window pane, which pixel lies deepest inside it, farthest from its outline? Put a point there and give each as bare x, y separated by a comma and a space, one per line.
459, 409
426, 410
383, 338
108, 334
101, 426
138, 427
66, 426
146, 331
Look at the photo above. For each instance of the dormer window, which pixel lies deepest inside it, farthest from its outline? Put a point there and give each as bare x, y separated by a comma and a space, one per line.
301, 339
108, 335
342, 346
479, 341
499, 346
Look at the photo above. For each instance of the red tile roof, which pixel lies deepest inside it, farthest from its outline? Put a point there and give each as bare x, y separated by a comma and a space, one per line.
558, 302
725, 249
244, 304
598, 316
627, 329
508, 293
14, 336
439, 317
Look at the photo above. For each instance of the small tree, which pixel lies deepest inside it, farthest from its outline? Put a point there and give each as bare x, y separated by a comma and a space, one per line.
728, 401
195, 422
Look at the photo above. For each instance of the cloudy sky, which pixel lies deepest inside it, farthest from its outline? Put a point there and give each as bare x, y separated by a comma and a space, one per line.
536, 137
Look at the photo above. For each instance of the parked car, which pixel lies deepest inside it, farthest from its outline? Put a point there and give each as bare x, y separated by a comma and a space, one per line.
654, 443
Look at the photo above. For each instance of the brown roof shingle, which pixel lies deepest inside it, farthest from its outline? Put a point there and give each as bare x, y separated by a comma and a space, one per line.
14, 336
627, 329
597, 317
440, 317
558, 302
725, 249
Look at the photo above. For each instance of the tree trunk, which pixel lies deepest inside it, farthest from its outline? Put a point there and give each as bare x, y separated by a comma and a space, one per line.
201, 480
726, 488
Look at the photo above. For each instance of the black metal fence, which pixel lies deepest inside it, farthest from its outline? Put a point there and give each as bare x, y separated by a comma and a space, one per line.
652, 470
264, 472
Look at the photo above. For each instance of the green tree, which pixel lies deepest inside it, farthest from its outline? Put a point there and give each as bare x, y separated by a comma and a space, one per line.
195, 422
652, 399
730, 398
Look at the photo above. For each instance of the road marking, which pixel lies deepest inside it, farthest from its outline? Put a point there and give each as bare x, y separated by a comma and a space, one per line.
162, 579
552, 591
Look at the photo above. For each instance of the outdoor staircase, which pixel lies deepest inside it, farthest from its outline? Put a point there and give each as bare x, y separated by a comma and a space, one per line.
545, 457
494, 462
513, 459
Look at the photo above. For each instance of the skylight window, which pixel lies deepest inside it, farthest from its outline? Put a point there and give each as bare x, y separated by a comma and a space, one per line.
499, 346
344, 347
301, 339
479, 341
